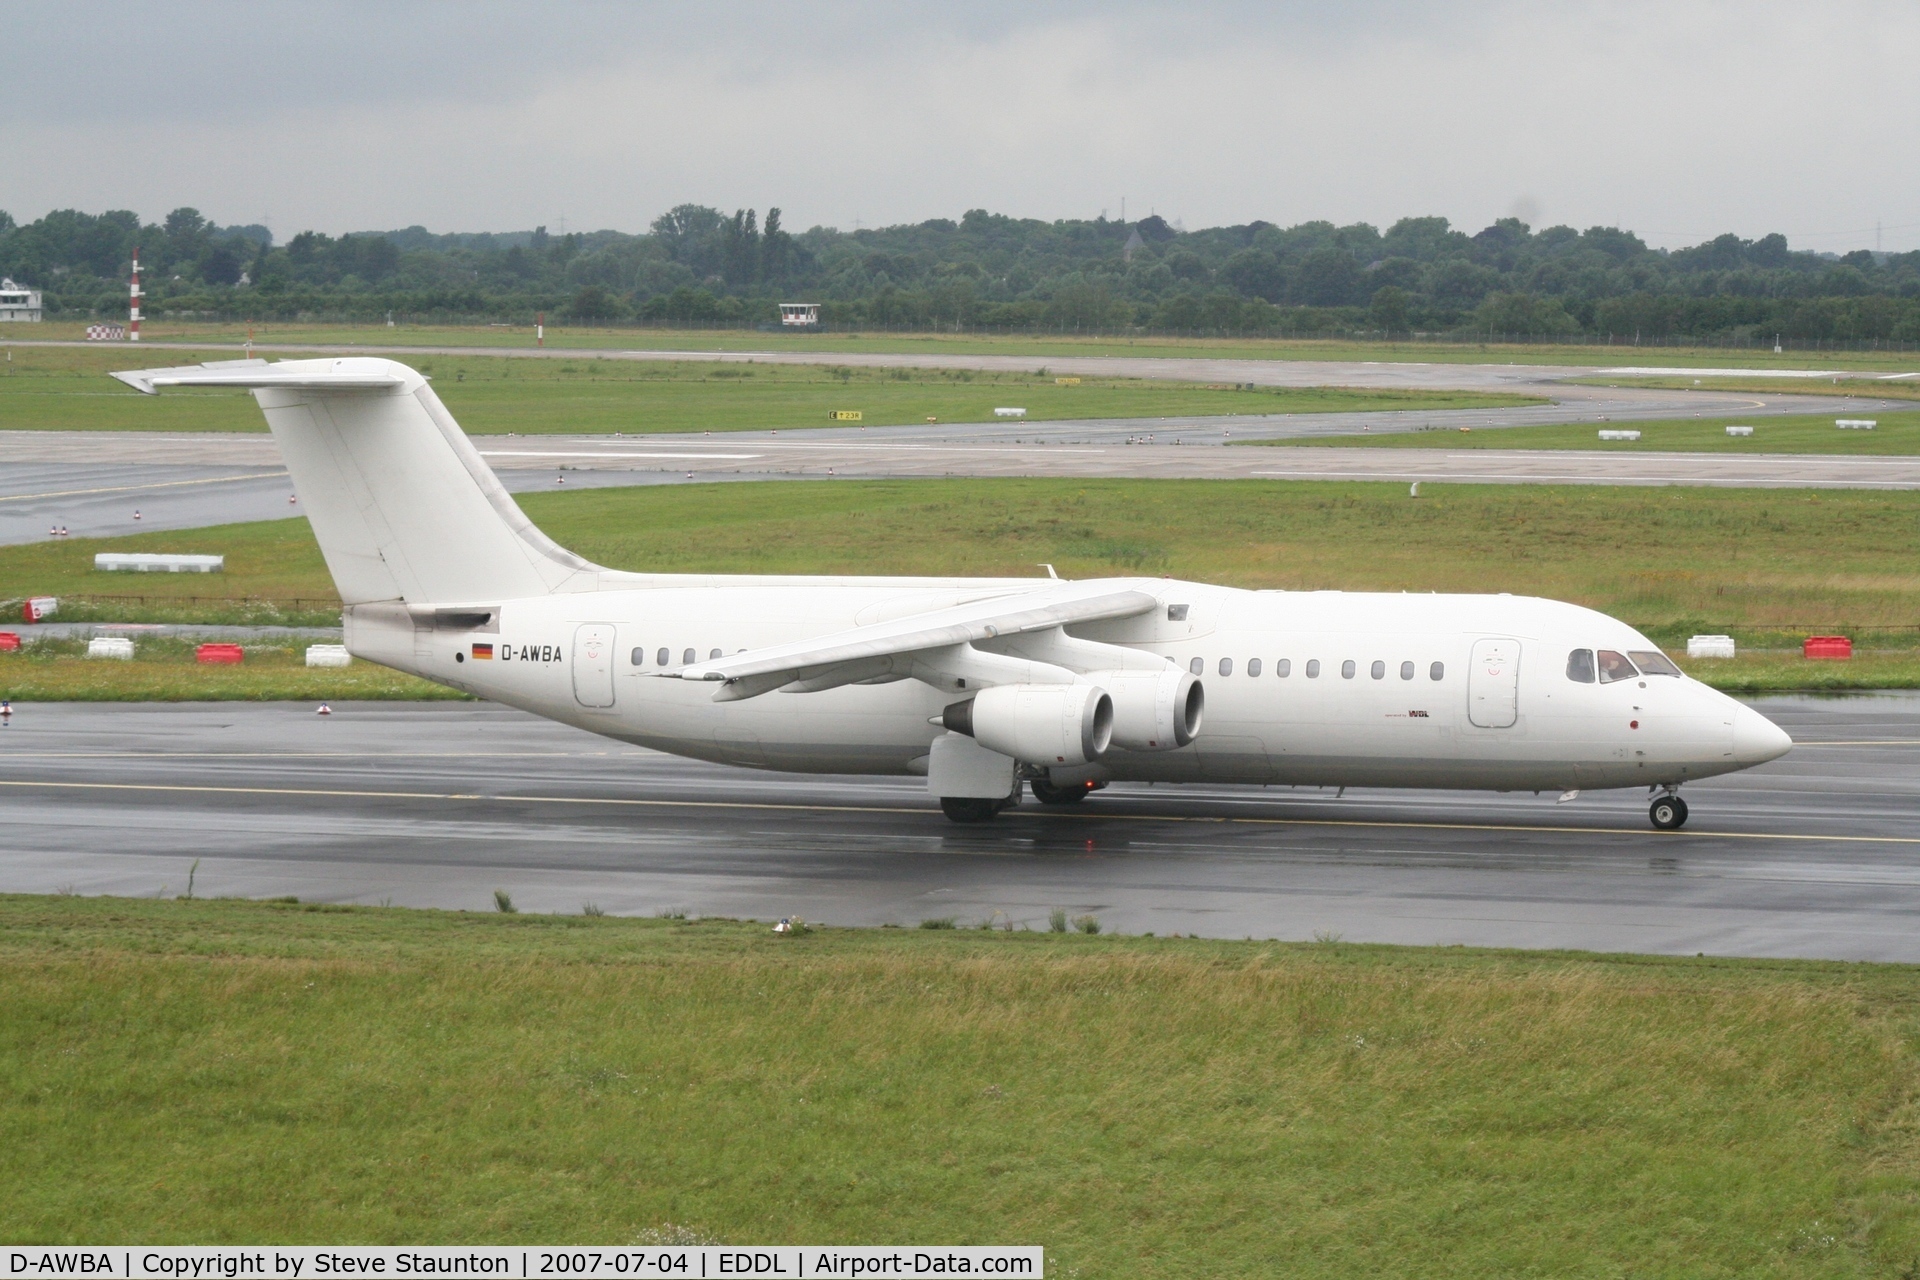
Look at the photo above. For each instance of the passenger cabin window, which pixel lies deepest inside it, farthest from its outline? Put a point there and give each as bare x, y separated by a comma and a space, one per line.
1313, 668
664, 657
1378, 670
1614, 666
1176, 613
1197, 666
689, 658
639, 657
1226, 666
1580, 666
1653, 663
1283, 668
1347, 669
713, 655
1406, 671
1253, 666
1437, 672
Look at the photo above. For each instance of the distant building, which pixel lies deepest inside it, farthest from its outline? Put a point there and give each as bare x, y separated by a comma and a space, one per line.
1134, 245
800, 315
18, 302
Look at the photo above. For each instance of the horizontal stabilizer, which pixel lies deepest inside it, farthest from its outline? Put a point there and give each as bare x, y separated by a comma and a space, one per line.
301, 375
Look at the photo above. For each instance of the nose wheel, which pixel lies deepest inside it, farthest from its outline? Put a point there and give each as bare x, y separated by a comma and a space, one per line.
1668, 813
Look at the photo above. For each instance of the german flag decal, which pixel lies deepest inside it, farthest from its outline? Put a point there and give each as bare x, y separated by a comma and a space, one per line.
482, 651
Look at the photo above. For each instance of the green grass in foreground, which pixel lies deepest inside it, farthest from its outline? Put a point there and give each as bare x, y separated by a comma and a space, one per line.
230, 1072
1439, 351
57, 388
1897, 434
163, 669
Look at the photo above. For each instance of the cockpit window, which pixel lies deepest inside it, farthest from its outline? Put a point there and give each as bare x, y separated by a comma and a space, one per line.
1654, 663
1580, 666
1614, 666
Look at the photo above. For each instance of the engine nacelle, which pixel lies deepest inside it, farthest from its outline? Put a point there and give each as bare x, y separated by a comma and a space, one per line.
1153, 710
1039, 724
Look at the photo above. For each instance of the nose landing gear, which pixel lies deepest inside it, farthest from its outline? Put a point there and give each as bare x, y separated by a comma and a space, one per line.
1668, 813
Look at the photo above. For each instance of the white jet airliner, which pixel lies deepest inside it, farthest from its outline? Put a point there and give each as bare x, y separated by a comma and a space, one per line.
983, 685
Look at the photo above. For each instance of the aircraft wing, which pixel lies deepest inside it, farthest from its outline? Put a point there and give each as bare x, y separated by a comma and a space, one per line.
312, 375
867, 652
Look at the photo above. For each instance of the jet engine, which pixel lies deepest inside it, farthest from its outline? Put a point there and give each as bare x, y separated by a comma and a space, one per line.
1153, 710
1037, 724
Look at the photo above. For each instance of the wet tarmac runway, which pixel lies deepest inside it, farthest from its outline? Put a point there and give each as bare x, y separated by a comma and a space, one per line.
1817, 854
100, 498
92, 483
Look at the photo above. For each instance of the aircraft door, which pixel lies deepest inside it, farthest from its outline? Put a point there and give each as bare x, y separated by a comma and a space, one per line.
593, 664
1493, 684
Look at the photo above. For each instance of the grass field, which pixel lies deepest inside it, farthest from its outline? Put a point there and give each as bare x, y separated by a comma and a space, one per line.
231, 1072
1766, 566
1897, 434
1904, 389
163, 669
1247, 348
67, 389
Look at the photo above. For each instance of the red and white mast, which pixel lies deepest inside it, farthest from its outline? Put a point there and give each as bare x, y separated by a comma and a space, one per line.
133, 300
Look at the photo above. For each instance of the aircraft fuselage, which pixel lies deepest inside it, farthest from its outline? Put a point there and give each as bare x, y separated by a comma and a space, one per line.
1301, 688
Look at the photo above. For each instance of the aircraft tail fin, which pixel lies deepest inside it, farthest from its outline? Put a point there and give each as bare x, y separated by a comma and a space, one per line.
403, 505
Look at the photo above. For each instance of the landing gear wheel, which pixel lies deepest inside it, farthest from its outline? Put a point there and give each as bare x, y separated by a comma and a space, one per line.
1046, 793
969, 808
1669, 813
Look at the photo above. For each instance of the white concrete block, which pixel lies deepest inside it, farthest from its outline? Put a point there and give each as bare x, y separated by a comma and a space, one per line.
328, 655
110, 647
1710, 646
143, 562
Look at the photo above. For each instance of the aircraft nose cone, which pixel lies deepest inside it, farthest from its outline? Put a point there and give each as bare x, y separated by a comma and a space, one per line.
1757, 739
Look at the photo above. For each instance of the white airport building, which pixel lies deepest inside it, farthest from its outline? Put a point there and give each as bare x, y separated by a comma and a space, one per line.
18, 302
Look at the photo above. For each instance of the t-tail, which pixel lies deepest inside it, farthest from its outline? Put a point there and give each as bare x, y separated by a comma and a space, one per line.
406, 511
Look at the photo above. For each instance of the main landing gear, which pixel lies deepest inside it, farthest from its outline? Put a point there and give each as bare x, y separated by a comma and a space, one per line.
1071, 793
1668, 813
969, 808
974, 809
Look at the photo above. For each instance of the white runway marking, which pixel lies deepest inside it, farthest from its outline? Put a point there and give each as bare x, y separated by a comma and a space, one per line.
137, 488
559, 453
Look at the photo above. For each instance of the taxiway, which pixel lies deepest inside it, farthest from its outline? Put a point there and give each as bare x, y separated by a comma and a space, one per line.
438, 804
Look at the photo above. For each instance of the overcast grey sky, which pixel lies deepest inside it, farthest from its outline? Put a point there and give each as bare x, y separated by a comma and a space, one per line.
1680, 119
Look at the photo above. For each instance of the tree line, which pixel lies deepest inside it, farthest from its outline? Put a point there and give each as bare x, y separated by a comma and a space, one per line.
698, 265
